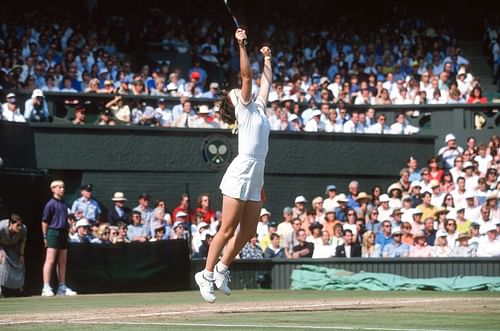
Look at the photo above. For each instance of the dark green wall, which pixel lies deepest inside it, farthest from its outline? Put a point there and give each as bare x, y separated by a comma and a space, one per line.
169, 162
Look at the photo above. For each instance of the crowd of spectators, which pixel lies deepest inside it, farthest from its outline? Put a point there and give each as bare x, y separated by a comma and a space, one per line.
448, 207
320, 68
492, 46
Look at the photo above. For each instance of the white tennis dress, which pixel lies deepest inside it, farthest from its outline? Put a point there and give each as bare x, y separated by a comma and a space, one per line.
244, 178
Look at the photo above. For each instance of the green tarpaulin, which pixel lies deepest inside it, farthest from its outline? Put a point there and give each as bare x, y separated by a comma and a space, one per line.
309, 277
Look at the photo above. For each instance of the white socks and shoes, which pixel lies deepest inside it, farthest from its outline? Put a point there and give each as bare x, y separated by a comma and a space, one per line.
222, 278
205, 282
47, 291
64, 290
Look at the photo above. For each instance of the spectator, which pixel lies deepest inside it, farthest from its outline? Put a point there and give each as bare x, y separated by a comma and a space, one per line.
286, 227
273, 250
323, 249
121, 236
10, 110
178, 231
137, 230
12, 243
85, 206
441, 248
184, 207
36, 108
370, 248
103, 235
204, 208
384, 235
55, 236
120, 110
349, 248
266, 239
144, 209
396, 248
119, 213
159, 232
420, 249
463, 249
82, 232
449, 152
80, 115
303, 247
299, 211
206, 240
329, 202
251, 250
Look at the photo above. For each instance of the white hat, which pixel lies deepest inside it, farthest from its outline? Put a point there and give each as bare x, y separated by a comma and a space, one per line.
300, 198
264, 211
396, 230
468, 164
441, 233
181, 214
452, 215
203, 225
11, 95
203, 109
490, 226
449, 137
293, 117
206, 233
103, 71
316, 112
416, 211
37, 93
341, 198
415, 183
273, 96
383, 198
460, 206
177, 223
82, 222
469, 194
119, 196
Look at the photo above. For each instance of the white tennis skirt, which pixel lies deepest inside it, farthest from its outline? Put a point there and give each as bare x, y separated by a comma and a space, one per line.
244, 178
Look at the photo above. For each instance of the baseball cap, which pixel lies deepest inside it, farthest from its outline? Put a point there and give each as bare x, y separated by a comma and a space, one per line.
87, 187
449, 137
300, 199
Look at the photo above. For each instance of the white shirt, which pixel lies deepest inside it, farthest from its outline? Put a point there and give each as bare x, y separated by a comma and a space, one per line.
253, 129
10, 116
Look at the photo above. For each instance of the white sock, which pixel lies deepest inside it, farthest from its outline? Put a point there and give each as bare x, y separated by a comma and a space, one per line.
208, 274
221, 267
46, 286
62, 285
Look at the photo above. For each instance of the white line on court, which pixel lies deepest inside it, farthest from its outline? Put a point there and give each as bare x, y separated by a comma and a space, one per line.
305, 307
259, 326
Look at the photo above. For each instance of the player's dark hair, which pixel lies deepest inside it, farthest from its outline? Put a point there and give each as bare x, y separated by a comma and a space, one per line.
226, 108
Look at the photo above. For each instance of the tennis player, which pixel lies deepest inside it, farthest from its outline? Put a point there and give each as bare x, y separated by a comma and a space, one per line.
242, 183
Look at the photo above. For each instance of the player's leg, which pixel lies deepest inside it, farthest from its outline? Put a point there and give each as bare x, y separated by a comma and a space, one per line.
232, 210
48, 265
248, 226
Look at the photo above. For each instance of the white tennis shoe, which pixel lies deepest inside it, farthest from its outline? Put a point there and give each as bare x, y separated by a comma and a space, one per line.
64, 290
206, 286
222, 280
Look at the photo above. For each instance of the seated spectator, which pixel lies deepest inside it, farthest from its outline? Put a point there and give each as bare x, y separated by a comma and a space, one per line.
370, 248
397, 248
80, 115
251, 250
463, 249
272, 227
103, 235
274, 250
121, 236
196, 240
106, 118
206, 241
137, 230
36, 108
420, 248
120, 110
82, 232
303, 248
441, 248
159, 232
178, 231
323, 249
10, 110
12, 244
489, 246
349, 248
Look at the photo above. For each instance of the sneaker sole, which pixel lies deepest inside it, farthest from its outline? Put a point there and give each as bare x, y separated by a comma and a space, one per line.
198, 279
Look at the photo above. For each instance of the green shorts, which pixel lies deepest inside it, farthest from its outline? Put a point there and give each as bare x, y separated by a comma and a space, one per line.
57, 238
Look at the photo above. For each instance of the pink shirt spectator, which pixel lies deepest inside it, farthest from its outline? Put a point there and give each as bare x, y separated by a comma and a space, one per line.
420, 251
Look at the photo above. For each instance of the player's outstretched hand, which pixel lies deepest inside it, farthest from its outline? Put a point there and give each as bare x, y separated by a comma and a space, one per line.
266, 51
240, 35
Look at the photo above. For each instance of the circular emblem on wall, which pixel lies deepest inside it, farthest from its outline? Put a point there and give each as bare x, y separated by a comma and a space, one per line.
216, 151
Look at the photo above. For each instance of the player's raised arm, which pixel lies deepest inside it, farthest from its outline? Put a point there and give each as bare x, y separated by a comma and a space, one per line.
267, 74
245, 70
